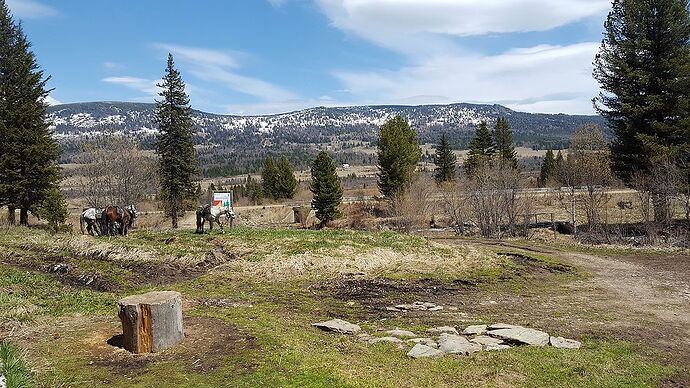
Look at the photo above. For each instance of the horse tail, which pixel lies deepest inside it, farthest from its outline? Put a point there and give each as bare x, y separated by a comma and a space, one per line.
81, 222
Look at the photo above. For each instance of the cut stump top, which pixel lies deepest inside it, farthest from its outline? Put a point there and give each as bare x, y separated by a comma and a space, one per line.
150, 298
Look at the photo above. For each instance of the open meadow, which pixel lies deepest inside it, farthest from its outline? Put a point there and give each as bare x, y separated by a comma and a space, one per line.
250, 296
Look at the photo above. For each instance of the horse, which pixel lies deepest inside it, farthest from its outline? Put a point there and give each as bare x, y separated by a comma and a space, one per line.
90, 218
212, 214
115, 219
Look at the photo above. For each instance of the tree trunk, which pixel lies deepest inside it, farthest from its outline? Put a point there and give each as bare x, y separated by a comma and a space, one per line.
151, 322
24, 217
11, 216
173, 216
662, 213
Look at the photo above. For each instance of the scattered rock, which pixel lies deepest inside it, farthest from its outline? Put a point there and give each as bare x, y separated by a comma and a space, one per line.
401, 333
422, 351
474, 330
492, 347
417, 306
424, 341
338, 326
564, 343
485, 340
497, 326
455, 344
442, 329
386, 339
3, 382
60, 268
365, 337
522, 335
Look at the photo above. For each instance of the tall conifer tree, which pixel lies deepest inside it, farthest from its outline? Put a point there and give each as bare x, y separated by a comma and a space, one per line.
548, 169
178, 166
398, 154
326, 187
445, 161
28, 152
286, 183
482, 149
643, 67
503, 138
269, 177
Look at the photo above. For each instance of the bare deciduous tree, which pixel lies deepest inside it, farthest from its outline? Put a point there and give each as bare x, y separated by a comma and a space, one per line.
115, 171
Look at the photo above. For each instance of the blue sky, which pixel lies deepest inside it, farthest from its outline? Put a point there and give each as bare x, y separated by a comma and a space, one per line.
270, 56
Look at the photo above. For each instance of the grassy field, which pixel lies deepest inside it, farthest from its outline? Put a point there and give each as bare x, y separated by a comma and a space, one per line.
250, 296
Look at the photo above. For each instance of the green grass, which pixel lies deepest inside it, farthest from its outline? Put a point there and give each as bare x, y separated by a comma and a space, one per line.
12, 366
280, 347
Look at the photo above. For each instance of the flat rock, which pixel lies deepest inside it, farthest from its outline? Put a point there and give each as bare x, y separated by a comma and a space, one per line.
338, 326
424, 341
455, 344
474, 330
498, 326
442, 329
3, 382
393, 340
564, 343
492, 347
485, 340
365, 337
422, 351
401, 333
522, 335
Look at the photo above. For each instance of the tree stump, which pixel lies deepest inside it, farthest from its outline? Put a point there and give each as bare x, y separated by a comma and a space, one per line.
151, 322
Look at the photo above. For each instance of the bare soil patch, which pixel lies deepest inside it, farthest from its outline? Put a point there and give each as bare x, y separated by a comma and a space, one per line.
207, 344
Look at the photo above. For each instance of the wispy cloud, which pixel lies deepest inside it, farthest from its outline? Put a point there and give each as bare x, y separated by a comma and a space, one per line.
277, 3
223, 67
30, 9
440, 69
50, 100
113, 66
142, 85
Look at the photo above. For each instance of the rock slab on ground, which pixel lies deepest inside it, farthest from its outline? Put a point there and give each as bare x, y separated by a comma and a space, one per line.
424, 341
486, 340
442, 329
338, 326
455, 344
401, 333
474, 330
522, 335
564, 343
393, 340
422, 351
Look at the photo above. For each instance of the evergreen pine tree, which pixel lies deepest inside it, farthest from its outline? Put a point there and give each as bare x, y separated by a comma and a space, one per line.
503, 138
643, 68
178, 166
482, 149
286, 183
253, 190
398, 154
445, 161
326, 187
28, 152
269, 178
548, 169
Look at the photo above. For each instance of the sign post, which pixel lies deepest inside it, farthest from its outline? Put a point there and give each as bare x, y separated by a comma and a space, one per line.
223, 200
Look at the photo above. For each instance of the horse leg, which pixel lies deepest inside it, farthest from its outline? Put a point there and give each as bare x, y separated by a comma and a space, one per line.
199, 224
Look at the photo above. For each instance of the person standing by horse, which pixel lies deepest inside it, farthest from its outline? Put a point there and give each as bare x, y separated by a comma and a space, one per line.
213, 214
89, 220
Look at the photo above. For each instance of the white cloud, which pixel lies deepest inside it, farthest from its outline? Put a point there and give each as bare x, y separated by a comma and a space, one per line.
142, 85
440, 70
542, 78
222, 67
277, 3
30, 9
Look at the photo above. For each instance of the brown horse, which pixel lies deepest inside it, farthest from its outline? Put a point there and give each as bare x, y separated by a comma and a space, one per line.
116, 220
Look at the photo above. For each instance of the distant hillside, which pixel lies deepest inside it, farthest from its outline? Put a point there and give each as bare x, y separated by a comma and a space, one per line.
239, 141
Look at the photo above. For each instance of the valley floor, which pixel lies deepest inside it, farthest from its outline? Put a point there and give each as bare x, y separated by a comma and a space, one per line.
251, 294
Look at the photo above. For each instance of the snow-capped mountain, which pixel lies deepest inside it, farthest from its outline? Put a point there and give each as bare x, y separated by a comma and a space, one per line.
315, 125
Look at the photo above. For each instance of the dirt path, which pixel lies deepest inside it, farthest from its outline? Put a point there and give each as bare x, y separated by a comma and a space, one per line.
659, 288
